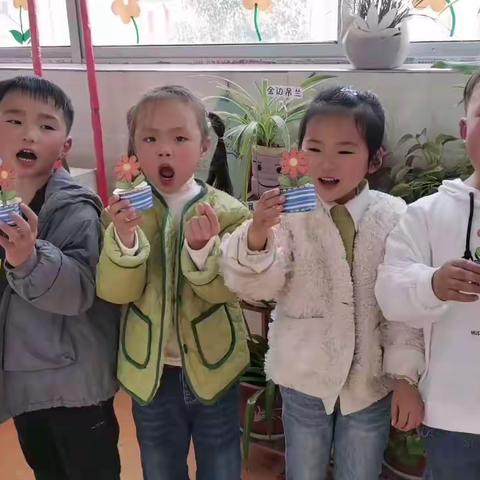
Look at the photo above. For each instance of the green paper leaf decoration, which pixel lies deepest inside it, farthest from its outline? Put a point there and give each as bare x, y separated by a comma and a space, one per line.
124, 185
138, 180
285, 181
18, 36
302, 181
10, 195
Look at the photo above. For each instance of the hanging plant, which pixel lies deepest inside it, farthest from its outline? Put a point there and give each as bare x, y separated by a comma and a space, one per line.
128, 12
21, 36
256, 6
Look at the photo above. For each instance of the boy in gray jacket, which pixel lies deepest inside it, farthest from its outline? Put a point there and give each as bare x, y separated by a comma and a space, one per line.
59, 344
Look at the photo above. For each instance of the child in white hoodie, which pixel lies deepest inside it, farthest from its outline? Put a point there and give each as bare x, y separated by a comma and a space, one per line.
429, 277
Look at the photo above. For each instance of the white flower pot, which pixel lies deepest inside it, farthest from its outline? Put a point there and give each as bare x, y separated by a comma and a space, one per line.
376, 50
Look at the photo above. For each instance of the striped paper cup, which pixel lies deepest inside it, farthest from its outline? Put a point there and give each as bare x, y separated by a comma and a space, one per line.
139, 198
299, 199
7, 210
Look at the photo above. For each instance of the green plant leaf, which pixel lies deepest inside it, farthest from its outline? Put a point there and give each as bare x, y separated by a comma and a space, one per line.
248, 139
26, 36
401, 190
282, 130
443, 139
405, 138
400, 176
462, 67
414, 148
314, 81
248, 423
410, 160
270, 397
18, 36
433, 152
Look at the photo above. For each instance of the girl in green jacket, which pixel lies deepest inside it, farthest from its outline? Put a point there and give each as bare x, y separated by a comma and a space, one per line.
183, 341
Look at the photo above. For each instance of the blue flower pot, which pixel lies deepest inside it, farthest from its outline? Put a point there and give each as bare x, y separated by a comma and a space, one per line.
299, 199
140, 199
7, 210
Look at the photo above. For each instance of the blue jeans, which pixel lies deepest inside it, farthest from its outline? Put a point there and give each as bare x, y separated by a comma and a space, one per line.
358, 440
451, 455
174, 417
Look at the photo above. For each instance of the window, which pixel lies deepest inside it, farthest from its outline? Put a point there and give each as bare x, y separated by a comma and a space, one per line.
52, 20
301, 31
461, 21
181, 22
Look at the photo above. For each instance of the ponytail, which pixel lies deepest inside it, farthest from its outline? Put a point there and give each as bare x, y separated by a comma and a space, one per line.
218, 174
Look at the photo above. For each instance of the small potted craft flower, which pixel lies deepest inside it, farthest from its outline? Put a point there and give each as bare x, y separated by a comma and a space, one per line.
131, 184
10, 203
296, 185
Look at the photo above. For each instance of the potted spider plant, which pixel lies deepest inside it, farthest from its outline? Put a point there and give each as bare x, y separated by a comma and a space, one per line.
261, 405
259, 126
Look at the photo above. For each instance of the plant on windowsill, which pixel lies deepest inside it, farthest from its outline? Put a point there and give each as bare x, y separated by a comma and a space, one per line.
375, 34
259, 127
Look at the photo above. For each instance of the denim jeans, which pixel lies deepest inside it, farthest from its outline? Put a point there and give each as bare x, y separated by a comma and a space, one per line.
451, 455
166, 426
358, 440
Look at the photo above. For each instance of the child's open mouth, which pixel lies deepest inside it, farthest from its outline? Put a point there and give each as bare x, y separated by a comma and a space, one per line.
329, 181
166, 173
27, 157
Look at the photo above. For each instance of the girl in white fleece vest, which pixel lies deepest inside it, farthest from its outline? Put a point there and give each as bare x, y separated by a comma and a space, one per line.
328, 338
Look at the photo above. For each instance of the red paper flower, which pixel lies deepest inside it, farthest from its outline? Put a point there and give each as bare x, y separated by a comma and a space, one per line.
294, 164
7, 178
127, 169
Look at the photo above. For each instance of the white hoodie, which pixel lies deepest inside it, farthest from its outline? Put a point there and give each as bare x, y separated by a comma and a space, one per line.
435, 230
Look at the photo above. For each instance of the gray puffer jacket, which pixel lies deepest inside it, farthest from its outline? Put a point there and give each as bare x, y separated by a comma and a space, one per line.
58, 341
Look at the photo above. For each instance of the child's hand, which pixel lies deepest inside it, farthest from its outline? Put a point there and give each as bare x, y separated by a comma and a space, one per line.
457, 280
267, 214
125, 219
407, 406
201, 228
19, 240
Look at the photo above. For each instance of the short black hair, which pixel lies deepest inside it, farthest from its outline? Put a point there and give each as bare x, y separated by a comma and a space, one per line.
365, 107
470, 87
43, 90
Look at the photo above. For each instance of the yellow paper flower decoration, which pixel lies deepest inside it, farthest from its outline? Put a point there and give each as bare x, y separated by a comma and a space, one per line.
262, 4
435, 5
126, 11
20, 4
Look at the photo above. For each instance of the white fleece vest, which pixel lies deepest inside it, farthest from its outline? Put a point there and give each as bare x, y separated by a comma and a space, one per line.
326, 338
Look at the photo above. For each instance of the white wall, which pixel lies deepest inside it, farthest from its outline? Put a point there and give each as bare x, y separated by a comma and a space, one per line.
414, 99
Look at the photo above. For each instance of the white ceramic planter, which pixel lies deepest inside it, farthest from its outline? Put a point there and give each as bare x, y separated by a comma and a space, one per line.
379, 50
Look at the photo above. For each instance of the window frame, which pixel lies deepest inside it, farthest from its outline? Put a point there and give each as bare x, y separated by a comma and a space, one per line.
264, 53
